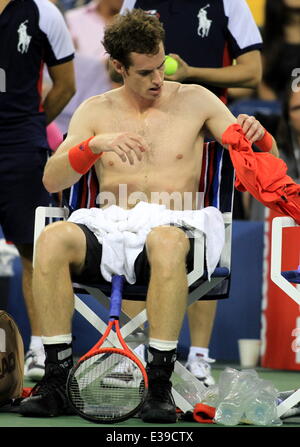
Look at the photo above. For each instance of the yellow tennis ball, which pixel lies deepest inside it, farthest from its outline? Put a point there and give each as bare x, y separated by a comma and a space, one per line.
171, 65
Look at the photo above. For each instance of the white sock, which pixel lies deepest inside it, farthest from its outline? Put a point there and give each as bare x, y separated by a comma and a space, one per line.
194, 350
162, 345
35, 343
57, 339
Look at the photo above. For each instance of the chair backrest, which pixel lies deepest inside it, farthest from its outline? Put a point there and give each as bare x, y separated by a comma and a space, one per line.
216, 182
217, 177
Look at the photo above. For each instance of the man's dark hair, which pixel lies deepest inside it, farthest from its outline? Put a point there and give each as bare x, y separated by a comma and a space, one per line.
136, 31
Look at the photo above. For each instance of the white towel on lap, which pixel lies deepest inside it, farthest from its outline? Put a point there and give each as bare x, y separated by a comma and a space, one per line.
123, 233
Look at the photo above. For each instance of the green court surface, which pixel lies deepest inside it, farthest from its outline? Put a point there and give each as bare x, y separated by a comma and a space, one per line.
283, 380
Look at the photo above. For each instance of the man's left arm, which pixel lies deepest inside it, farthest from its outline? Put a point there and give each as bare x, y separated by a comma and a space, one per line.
62, 90
219, 118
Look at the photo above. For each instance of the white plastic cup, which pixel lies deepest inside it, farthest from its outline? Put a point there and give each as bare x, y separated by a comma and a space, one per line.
249, 350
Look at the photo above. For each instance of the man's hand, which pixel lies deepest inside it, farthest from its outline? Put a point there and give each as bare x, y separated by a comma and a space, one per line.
252, 128
124, 144
254, 131
246, 73
182, 71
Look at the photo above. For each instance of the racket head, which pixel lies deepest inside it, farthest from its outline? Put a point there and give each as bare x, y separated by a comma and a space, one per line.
107, 386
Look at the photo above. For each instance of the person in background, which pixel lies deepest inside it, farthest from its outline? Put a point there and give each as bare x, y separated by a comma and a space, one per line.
32, 33
281, 48
205, 38
288, 134
87, 23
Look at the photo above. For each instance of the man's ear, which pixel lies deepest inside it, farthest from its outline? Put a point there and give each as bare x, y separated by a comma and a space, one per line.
119, 68
115, 76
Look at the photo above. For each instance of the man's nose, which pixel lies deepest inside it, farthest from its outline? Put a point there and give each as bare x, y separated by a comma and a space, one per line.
158, 77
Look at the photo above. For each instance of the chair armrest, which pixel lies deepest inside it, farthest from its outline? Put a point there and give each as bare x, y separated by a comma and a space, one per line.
42, 213
198, 270
278, 224
227, 217
199, 252
225, 258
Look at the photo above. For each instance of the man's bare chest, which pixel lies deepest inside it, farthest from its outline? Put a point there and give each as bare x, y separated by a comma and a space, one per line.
167, 135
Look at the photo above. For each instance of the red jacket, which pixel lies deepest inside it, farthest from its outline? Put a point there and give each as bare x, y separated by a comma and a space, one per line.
262, 174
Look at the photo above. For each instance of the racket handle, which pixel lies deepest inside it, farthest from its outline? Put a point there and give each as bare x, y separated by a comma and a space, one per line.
117, 284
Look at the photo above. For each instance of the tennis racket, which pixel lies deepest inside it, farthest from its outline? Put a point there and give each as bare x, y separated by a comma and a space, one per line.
108, 384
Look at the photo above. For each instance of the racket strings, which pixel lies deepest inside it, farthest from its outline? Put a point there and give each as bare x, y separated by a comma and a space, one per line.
107, 386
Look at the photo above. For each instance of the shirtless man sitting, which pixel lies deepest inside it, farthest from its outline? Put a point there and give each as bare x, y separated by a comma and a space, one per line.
147, 134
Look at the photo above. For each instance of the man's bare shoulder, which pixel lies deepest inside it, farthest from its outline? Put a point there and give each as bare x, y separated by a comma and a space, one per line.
195, 91
86, 116
194, 96
102, 101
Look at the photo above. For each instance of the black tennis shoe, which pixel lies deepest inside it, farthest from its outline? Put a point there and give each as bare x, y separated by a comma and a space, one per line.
48, 397
159, 405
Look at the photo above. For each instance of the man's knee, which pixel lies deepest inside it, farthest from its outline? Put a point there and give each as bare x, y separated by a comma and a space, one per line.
61, 241
167, 245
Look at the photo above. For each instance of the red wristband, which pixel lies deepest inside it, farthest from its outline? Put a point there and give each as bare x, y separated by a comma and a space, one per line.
82, 158
266, 143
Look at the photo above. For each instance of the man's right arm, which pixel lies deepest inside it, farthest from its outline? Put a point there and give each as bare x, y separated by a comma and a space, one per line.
68, 163
58, 173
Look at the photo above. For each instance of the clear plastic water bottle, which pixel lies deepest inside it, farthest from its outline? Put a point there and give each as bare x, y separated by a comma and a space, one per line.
211, 396
261, 408
234, 388
229, 413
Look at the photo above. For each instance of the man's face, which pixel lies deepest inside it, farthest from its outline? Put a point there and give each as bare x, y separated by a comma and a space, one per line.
145, 75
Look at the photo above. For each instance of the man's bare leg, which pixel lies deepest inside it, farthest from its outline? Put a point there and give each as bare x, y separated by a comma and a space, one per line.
60, 246
60, 249
201, 315
174, 287
167, 248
